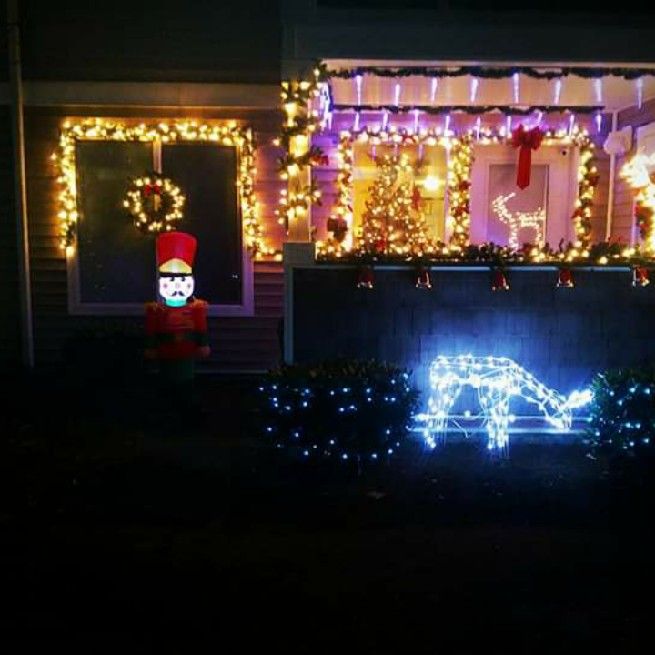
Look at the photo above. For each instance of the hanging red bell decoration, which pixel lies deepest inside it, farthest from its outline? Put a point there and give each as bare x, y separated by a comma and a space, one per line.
499, 281
365, 277
565, 279
640, 276
526, 141
423, 279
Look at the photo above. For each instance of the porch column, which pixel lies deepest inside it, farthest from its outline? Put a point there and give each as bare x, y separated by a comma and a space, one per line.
299, 175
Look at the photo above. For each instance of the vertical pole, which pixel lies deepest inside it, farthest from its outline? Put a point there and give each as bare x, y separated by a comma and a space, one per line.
157, 167
20, 191
156, 155
300, 177
612, 181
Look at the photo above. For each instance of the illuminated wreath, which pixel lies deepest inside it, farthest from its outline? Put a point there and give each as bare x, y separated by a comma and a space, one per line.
154, 202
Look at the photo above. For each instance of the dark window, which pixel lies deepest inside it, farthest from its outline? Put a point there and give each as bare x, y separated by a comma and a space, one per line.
116, 262
207, 175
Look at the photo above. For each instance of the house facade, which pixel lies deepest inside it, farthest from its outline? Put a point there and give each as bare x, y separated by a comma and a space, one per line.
99, 83
108, 68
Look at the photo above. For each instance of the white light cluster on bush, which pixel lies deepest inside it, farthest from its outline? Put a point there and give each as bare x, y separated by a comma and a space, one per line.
627, 424
497, 380
302, 398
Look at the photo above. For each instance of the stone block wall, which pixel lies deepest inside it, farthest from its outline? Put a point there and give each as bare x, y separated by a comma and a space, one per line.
563, 336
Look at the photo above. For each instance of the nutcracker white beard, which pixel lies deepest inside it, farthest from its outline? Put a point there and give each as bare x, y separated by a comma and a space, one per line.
176, 289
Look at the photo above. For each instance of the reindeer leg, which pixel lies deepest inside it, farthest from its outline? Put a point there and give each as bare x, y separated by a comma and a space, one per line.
498, 422
440, 406
513, 237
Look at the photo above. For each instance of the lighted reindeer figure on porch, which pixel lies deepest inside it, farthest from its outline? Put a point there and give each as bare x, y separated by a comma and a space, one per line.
497, 380
517, 220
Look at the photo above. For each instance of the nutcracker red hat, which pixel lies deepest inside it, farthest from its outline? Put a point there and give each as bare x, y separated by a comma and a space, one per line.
176, 252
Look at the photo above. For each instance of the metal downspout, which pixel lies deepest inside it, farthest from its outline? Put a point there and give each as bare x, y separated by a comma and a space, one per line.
20, 194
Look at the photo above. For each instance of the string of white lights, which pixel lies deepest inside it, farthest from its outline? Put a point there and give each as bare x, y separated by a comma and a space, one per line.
496, 380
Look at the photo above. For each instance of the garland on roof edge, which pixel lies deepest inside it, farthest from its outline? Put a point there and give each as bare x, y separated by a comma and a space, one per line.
473, 110
487, 72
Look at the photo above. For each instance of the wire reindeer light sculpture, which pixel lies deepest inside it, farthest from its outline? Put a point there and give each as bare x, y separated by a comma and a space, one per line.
518, 220
497, 380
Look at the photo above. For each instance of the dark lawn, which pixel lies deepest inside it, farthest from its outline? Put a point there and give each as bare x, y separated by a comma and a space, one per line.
118, 528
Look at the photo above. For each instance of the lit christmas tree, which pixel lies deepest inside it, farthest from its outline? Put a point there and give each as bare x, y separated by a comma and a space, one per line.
393, 222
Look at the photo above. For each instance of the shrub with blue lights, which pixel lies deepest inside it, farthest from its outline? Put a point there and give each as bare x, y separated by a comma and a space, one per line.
623, 410
345, 408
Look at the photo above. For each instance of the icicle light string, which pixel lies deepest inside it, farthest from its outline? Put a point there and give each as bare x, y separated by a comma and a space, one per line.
434, 87
558, 91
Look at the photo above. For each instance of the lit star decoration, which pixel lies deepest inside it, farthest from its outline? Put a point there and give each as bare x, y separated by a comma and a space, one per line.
221, 133
496, 380
637, 173
155, 203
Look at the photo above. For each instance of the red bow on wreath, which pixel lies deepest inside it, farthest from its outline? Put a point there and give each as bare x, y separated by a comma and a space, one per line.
149, 189
526, 141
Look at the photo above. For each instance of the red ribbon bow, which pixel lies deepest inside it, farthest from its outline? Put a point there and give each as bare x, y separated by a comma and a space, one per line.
151, 188
526, 141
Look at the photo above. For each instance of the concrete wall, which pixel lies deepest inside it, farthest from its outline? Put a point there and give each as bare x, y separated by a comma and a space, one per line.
563, 336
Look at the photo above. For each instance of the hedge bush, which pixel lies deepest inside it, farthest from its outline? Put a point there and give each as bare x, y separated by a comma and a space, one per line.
343, 407
622, 418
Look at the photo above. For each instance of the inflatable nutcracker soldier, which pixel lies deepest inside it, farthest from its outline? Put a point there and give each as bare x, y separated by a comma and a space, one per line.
176, 326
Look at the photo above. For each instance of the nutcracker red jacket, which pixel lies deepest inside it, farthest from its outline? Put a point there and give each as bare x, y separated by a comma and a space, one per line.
176, 332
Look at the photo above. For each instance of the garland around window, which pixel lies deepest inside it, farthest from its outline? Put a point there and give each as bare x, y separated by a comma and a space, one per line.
460, 160
99, 129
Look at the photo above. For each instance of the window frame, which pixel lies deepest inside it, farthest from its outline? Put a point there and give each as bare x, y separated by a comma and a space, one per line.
174, 131
460, 159
560, 204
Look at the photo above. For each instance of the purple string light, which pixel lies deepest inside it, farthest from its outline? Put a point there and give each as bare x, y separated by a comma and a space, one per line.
358, 82
474, 88
434, 86
558, 91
